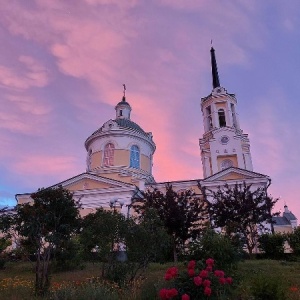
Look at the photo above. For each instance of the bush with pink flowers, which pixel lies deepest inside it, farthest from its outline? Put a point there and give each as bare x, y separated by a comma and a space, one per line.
199, 281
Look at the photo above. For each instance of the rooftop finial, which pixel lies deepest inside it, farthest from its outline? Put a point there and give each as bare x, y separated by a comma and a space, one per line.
214, 68
124, 92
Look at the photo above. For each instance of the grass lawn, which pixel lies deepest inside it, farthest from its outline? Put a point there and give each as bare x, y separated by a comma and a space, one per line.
16, 281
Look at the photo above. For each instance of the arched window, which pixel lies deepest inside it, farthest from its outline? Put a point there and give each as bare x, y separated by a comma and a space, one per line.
233, 115
89, 159
209, 118
108, 156
227, 163
222, 119
135, 157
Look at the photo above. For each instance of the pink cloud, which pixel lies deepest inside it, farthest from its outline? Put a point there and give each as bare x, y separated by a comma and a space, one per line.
34, 74
11, 79
94, 46
267, 148
44, 170
24, 114
45, 164
127, 4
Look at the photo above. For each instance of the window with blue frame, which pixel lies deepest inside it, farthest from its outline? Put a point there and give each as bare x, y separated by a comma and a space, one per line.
135, 157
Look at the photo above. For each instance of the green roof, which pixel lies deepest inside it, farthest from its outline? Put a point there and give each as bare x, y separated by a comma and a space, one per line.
127, 124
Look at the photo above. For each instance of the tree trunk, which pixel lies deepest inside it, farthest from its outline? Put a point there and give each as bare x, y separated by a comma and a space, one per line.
42, 282
175, 252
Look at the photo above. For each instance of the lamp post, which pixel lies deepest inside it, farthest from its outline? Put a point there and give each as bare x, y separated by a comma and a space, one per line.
113, 203
121, 252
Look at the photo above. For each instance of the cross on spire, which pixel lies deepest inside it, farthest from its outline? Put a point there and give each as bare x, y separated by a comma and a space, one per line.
124, 91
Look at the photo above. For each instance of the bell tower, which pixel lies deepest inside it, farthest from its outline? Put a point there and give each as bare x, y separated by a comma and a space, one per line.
223, 144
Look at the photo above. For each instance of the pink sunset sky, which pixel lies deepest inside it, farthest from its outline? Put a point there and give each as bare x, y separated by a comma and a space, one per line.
63, 63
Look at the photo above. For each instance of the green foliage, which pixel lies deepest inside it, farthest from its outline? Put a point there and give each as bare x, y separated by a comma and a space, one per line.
266, 287
50, 218
68, 256
219, 246
240, 210
4, 243
101, 233
5, 240
45, 224
147, 241
16, 281
90, 292
294, 240
120, 272
105, 231
272, 245
181, 213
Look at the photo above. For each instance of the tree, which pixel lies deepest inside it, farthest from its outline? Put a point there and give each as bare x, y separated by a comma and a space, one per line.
146, 240
5, 240
46, 223
240, 211
218, 246
272, 245
294, 240
102, 233
181, 213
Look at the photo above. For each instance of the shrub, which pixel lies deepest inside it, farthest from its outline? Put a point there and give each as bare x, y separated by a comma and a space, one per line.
198, 282
266, 287
90, 291
68, 257
272, 245
294, 240
218, 246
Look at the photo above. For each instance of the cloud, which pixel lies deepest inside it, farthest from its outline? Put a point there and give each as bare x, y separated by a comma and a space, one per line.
24, 114
68, 61
38, 170
126, 4
33, 75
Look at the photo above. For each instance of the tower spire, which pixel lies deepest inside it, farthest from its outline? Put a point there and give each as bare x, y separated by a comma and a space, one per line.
124, 93
214, 69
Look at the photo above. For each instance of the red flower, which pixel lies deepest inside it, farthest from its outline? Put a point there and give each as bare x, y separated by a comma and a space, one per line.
171, 273
210, 262
185, 297
168, 276
192, 264
206, 283
191, 272
197, 280
229, 280
166, 294
172, 293
163, 294
293, 289
203, 274
222, 280
208, 268
207, 291
219, 273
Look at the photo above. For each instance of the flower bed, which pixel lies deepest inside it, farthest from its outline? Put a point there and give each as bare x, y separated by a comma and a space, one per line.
198, 281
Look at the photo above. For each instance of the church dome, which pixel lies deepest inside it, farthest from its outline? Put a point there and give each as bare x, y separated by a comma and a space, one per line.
124, 123
123, 102
120, 149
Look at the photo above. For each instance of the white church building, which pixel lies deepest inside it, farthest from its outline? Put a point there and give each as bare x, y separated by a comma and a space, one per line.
120, 155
